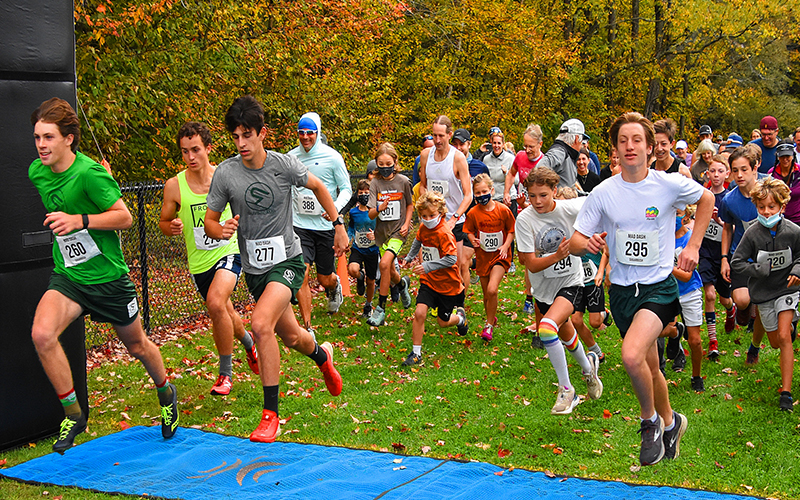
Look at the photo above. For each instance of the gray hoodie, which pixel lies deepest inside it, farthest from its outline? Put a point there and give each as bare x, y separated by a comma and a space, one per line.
751, 259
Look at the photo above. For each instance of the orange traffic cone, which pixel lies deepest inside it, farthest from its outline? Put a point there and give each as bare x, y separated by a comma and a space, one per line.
344, 277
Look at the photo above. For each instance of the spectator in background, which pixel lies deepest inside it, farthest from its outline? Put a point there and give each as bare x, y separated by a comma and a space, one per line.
681, 151
594, 161
587, 179
702, 159
613, 166
797, 145
755, 134
427, 142
768, 143
510, 148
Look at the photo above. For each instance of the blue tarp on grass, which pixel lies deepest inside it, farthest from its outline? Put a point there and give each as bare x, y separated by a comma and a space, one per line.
198, 465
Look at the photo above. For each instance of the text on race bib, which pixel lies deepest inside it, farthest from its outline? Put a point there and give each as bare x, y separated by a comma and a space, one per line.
266, 252
747, 223
777, 260
77, 248
429, 254
439, 187
491, 242
391, 213
589, 271
637, 248
564, 267
363, 240
714, 231
307, 204
202, 241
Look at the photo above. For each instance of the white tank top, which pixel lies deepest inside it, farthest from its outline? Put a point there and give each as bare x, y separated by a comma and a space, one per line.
442, 179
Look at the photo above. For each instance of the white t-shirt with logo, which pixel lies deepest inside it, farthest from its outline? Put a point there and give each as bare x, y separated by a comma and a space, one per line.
541, 234
637, 216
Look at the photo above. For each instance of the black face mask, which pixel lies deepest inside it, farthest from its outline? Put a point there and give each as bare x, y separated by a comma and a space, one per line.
386, 171
483, 199
363, 199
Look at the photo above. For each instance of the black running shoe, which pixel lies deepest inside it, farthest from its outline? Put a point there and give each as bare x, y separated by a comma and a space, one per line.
412, 359
367, 312
674, 344
463, 328
608, 320
170, 416
680, 362
72, 427
360, 286
672, 438
652, 449
536, 342
394, 292
785, 403
698, 385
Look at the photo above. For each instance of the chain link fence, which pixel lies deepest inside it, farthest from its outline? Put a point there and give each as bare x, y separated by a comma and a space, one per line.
167, 295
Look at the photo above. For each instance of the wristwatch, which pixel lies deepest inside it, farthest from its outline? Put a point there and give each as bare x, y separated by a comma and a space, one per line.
337, 221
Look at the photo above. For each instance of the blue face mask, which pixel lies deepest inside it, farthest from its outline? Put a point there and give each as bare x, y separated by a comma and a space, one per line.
483, 199
771, 221
678, 222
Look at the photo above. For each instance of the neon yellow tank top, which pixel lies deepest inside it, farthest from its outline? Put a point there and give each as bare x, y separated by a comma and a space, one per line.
202, 252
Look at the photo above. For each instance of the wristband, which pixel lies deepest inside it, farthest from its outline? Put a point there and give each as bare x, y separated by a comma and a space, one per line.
85, 218
727, 256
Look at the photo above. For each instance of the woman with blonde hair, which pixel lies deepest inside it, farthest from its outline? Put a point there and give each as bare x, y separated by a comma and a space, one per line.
702, 159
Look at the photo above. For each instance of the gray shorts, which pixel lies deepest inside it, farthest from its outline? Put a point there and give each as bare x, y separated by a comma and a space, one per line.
769, 310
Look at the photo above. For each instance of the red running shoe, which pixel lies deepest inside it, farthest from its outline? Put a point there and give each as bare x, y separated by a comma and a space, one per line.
252, 359
222, 387
713, 350
730, 319
333, 381
267, 429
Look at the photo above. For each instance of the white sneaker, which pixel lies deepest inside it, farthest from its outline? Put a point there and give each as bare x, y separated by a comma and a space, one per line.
335, 298
565, 401
594, 385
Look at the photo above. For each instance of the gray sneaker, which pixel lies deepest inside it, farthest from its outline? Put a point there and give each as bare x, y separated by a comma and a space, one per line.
593, 383
405, 296
335, 298
377, 317
652, 450
565, 401
672, 438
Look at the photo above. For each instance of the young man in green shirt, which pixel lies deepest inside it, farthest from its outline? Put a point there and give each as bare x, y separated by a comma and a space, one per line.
215, 265
84, 210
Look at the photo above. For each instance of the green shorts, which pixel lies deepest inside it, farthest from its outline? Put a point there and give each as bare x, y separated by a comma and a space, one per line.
662, 298
393, 245
290, 272
113, 302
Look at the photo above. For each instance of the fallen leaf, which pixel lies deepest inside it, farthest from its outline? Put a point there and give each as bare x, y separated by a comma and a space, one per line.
425, 449
398, 446
549, 474
502, 453
719, 465
606, 414
748, 488
558, 451
397, 461
749, 445
2, 462
498, 473
124, 425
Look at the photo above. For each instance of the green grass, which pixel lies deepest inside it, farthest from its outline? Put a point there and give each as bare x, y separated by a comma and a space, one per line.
469, 400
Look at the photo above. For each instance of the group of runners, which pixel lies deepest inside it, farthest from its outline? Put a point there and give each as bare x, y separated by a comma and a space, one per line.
273, 215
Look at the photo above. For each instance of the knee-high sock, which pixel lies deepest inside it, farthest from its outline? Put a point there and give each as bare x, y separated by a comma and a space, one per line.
575, 347
711, 321
548, 332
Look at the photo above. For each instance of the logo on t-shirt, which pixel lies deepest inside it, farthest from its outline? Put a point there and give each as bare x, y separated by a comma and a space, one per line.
651, 213
55, 201
549, 240
259, 197
198, 211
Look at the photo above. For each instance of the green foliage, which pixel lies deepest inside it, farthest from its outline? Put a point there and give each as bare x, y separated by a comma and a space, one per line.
378, 70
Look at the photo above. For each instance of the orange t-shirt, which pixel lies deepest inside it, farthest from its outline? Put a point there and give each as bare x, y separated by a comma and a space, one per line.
491, 229
437, 243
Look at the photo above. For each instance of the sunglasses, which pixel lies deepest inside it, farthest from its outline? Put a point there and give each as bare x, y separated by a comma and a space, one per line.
428, 138
306, 132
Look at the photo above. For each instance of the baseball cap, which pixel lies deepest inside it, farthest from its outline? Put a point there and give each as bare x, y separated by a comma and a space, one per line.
461, 135
785, 149
706, 130
371, 166
681, 144
734, 140
573, 126
768, 123
306, 123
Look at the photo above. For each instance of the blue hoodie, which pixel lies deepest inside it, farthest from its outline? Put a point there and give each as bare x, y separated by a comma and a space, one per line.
328, 165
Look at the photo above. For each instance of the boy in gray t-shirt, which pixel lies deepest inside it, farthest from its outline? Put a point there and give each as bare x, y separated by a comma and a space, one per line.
257, 185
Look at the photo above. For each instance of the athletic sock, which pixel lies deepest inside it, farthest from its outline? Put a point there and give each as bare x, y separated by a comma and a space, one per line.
670, 426
417, 349
226, 364
653, 419
529, 298
271, 393
461, 320
247, 341
753, 348
711, 322
319, 356
164, 392
575, 347
382, 301
596, 349
70, 403
548, 332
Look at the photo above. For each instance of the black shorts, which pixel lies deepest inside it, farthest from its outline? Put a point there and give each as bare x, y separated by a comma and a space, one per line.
574, 294
738, 281
593, 300
318, 249
368, 261
662, 298
202, 281
444, 304
709, 270
458, 232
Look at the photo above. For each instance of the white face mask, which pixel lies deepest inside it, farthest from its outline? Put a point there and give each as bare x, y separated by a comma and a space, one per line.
432, 223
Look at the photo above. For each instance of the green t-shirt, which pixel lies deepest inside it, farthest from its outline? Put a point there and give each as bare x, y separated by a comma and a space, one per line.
84, 188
